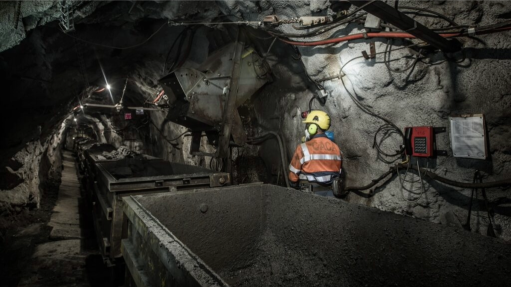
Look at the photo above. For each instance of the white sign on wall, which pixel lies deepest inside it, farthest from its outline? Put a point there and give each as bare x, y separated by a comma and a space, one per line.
468, 136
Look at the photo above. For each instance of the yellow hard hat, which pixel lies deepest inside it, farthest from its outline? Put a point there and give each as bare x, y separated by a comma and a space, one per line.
320, 118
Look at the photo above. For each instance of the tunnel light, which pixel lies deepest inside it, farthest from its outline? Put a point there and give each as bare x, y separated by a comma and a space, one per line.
108, 86
81, 107
74, 119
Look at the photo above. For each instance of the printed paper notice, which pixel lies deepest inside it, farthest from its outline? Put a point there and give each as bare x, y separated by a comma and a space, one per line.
468, 137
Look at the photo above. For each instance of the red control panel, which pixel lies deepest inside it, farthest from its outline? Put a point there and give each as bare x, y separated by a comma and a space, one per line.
419, 141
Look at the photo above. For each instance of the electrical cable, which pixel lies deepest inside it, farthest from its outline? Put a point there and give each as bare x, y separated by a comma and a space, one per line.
179, 136
388, 131
283, 157
387, 59
401, 181
310, 103
335, 23
399, 35
323, 30
469, 215
165, 138
176, 65
114, 47
318, 86
367, 110
433, 176
428, 11
315, 32
388, 124
172, 47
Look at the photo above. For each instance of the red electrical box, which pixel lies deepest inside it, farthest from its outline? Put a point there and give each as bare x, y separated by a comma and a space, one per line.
419, 141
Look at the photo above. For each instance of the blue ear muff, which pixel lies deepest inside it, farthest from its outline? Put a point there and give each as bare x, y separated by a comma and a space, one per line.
313, 129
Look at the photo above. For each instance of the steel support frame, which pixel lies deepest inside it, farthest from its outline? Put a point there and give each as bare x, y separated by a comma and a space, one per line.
407, 24
230, 112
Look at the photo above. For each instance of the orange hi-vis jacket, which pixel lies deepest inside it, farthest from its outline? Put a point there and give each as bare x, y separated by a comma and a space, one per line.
318, 160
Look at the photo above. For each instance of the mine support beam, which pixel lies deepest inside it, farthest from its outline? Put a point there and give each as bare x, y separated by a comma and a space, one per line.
230, 107
407, 24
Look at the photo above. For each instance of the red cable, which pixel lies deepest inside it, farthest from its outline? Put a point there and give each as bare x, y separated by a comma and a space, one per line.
360, 36
158, 97
99, 91
378, 35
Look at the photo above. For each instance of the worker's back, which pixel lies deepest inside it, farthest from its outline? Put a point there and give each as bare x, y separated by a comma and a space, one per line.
317, 160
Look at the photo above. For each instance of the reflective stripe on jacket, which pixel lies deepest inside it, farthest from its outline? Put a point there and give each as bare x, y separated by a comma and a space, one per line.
318, 160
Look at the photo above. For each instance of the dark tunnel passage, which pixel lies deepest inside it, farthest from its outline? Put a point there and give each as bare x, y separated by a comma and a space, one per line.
255, 143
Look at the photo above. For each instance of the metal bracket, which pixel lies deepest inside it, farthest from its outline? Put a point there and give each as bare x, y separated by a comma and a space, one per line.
271, 20
217, 180
372, 22
372, 51
441, 152
439, 130
308, 21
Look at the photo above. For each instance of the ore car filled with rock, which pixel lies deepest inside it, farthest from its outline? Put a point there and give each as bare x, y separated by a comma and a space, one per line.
112, 174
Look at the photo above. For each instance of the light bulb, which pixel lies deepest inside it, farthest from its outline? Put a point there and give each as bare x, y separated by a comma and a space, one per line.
81, 107
108, 86
74, 119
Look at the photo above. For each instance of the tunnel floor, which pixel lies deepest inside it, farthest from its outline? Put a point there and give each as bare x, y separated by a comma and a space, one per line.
54, 245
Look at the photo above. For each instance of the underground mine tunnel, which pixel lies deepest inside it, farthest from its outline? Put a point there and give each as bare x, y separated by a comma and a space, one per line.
255, 143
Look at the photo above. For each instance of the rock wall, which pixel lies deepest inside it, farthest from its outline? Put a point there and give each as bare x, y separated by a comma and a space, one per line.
39, 168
